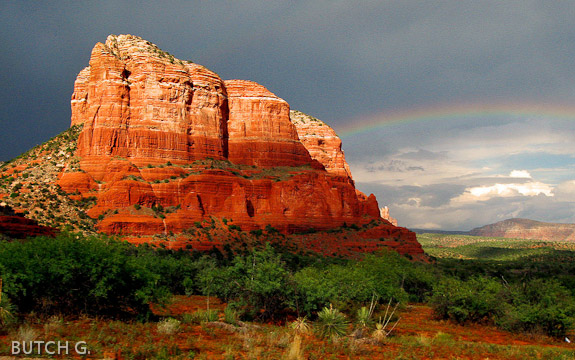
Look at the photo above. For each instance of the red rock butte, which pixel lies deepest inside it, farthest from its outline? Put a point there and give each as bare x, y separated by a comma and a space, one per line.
166, 143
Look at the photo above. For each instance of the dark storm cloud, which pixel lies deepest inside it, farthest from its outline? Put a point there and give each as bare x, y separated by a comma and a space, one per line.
339, 61
333, 59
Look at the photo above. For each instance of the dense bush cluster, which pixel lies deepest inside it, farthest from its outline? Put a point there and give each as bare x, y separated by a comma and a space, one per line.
72, 274
101, 276
538, 306
263, 285
386, 274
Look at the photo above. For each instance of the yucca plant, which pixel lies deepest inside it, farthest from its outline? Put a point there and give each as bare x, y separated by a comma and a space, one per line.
6, 308
363, 319
168, 326
381, 333
331, 323
362, 322
300, 325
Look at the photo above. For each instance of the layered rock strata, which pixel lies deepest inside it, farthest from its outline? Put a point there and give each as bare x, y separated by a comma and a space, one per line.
166, 143
322, 143
138, 102
259, 128
15, 226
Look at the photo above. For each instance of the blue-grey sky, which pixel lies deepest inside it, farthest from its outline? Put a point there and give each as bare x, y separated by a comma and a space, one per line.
345, 62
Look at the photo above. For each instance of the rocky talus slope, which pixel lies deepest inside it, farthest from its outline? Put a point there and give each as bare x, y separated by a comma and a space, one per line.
164, 145
29, 185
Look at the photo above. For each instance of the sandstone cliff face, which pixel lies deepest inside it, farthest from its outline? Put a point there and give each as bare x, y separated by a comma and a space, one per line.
139, 103
166, 144
527, 229
322, 143
260, 131
384, 213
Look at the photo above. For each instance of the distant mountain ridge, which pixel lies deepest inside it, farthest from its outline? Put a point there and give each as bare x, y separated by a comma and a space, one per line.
527, 229
516, 228
435, 231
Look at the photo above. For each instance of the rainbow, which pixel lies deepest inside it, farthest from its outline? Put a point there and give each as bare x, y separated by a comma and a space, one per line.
456, 111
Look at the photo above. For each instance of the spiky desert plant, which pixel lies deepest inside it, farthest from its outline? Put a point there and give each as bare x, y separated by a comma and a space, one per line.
363, 319
331, 323
362, 322
381, 332
6, 308
27, 333
168, 326
300, 325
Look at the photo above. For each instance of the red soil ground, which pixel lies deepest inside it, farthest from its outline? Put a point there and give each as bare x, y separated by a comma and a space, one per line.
418, 335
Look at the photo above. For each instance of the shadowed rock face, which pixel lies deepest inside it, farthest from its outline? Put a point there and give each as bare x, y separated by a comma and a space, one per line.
160, 133
527, 229
19, 227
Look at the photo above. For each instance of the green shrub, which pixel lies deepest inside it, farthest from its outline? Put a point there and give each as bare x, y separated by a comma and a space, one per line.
231, 315
476, 300
353, 284
257, 232
258, 281
7, 309
176, 270
542, 306
72, 274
